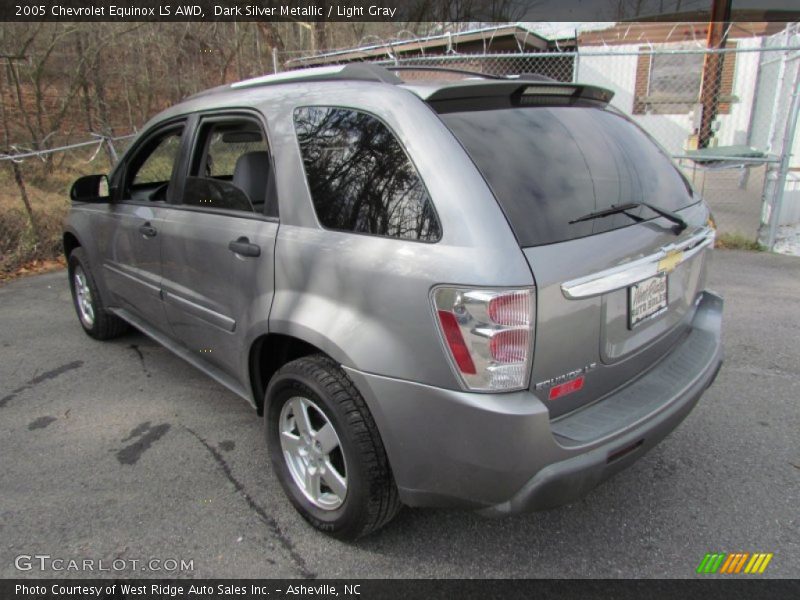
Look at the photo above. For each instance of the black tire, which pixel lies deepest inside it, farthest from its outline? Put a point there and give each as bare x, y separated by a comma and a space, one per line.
371, 499
105, 325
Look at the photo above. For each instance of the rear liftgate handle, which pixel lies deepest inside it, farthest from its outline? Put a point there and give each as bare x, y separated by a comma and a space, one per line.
243, 247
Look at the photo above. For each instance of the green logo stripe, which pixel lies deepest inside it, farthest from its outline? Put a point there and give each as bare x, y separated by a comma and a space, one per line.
720, 560
714, 562
701, 568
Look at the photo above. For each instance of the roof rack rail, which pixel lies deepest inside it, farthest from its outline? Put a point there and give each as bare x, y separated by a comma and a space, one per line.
383, 74
348, 72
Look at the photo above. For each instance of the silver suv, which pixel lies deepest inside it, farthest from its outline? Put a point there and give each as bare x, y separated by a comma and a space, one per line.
478, 292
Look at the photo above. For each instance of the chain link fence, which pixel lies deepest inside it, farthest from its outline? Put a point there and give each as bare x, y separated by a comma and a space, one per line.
34, 196
728, 117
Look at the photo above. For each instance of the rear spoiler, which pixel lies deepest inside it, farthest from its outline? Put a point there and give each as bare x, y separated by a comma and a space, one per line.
519, 88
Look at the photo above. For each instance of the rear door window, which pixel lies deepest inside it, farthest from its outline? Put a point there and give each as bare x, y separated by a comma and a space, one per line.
549, 165
360, 177
231, 167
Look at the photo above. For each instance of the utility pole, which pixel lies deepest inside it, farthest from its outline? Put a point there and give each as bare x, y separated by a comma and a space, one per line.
712, 69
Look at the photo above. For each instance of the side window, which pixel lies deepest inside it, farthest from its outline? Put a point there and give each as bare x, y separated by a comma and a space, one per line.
230, 168
360, 177
150, 168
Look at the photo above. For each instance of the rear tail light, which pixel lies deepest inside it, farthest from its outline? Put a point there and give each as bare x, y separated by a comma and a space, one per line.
510, 309
488, 334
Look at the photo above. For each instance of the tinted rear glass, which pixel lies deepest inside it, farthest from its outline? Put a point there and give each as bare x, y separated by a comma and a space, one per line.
360, 177
548, 165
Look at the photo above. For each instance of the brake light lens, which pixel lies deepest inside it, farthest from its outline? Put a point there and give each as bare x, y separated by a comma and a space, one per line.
510, 309
509, 346
488, 334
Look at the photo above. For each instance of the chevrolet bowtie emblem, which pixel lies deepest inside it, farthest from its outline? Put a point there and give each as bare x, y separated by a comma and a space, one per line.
670, 261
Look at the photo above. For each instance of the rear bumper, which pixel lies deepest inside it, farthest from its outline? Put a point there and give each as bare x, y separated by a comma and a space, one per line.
502, 453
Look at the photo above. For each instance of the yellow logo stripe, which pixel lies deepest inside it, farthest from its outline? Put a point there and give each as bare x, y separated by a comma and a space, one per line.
751, 564
758, 562
764, 564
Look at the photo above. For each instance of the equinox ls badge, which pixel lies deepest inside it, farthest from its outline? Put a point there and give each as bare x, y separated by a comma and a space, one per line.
565, 377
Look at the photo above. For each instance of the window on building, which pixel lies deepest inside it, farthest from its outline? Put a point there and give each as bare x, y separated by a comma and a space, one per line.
671, 83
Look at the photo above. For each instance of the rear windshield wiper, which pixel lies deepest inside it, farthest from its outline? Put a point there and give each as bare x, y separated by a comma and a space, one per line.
622, 208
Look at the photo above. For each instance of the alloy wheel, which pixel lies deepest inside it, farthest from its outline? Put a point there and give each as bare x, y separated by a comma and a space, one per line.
313, 453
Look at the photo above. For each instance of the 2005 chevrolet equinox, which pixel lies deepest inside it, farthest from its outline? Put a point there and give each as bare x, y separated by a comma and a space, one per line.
480, 292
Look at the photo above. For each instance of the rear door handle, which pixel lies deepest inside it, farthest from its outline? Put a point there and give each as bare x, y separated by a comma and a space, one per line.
243, 247
148, 230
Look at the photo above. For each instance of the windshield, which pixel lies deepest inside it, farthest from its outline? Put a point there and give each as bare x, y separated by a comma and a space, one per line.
549, 165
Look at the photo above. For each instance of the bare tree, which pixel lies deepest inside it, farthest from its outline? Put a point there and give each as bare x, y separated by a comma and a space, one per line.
15, 169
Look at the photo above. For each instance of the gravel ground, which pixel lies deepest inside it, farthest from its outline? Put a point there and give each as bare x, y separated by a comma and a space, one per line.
121, 450
788, 240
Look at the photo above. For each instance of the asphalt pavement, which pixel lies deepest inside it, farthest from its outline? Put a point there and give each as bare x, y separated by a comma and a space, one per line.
120, 451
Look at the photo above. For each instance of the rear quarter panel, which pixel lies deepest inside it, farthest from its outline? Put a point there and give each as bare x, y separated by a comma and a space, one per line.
365, 299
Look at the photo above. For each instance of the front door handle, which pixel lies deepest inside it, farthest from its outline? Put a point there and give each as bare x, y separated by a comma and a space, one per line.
243, 247
148, 230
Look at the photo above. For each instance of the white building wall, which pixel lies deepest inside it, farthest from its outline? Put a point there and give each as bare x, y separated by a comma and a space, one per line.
748, 122
790, 213
734, 126
790, 209
617, 72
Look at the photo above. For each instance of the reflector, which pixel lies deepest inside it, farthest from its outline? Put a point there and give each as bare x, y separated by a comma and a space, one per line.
566, 388
456, 342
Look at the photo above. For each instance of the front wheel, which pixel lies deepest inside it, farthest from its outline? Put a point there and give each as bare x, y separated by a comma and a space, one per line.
95, 319
326, 450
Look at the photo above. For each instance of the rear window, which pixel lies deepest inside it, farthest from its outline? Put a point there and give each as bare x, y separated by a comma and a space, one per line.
360, 177
548, 165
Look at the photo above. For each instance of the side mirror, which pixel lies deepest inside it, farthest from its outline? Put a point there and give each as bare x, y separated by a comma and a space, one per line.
91, 188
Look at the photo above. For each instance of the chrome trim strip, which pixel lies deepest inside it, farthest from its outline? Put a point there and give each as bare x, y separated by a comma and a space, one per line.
201, 312
637, 270
123, 272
